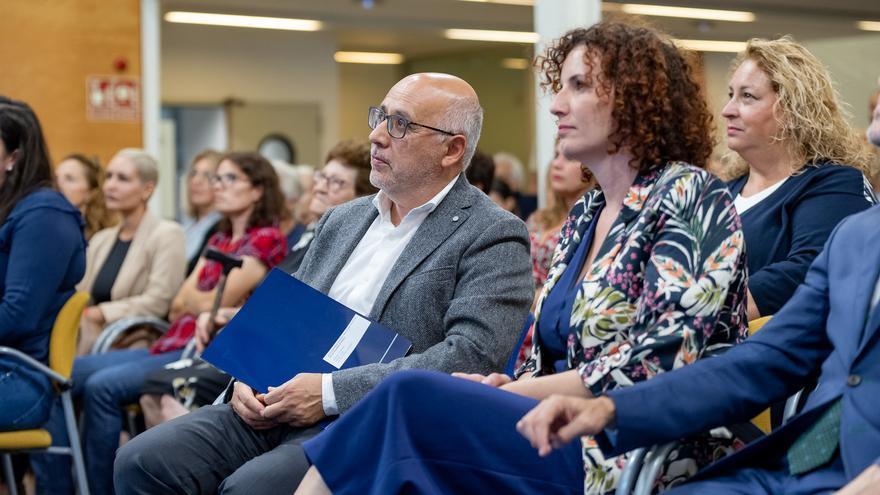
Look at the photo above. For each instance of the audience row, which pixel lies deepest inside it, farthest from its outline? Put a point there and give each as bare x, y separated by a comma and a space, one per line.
641, 263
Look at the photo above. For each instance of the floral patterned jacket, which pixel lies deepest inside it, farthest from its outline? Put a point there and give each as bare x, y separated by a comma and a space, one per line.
667, 286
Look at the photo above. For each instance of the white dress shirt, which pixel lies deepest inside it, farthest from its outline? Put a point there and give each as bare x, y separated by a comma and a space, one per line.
360, 280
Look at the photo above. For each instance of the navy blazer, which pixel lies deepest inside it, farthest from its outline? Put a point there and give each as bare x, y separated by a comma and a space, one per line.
786, 231
42, 257
825, 326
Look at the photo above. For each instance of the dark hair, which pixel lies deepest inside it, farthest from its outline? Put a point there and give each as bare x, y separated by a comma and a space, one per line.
658, 110
355, 155
96, 216
270, 208
481, 171
20, 131
501, 188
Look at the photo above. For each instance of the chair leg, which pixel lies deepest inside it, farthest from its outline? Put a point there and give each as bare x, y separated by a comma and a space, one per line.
82, 485
9, 474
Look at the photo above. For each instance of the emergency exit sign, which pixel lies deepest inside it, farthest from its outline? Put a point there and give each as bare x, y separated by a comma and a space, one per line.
113, 98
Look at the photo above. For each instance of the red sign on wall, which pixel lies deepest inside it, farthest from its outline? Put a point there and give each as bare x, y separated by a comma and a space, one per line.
113, 98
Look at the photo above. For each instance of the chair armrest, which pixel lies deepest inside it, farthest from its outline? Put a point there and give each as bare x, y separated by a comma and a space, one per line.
33, 363
119, 327
630, 474
653, 464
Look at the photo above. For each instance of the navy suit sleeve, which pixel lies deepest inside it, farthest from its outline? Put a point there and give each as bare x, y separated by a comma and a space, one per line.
834, 196
44, 240
736, 385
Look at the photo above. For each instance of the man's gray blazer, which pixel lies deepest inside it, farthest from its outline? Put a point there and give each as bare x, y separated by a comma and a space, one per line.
460, 290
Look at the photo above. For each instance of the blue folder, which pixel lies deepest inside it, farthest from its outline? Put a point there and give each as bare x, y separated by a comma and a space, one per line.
287, 327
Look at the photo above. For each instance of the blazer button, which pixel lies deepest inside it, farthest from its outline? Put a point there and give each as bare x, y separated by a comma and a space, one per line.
455, 218
853, 380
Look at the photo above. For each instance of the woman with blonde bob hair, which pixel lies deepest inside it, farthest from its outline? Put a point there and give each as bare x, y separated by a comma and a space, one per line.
798, 167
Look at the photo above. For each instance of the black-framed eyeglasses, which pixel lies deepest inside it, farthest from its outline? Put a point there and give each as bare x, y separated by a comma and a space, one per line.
397, 125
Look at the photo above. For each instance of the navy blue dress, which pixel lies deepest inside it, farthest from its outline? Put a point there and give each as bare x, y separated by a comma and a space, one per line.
788, 229
427, 432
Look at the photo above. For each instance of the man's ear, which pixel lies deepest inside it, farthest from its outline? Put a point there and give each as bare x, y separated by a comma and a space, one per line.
455, 148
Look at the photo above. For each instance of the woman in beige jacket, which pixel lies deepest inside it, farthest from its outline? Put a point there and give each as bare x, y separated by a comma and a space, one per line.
136, 267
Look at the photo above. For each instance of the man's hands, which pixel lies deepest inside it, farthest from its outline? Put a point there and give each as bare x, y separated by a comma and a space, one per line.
297, 403
249, 407
493, 380
867, 483
560, 419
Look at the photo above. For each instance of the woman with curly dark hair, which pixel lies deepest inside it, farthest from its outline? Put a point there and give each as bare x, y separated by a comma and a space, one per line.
648, 277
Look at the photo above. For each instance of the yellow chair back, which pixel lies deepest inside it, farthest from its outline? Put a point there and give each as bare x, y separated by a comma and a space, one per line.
62, 343
757, 323
762, 420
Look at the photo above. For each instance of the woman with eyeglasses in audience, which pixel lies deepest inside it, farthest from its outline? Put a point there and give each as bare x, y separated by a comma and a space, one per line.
799, 166
42, 257
246, 193
176, 390
136, 267
81, 180
649, 276
201, 218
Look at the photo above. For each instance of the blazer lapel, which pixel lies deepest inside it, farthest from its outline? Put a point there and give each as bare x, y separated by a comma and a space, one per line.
449, 215
131, 267
865, 292
334, 263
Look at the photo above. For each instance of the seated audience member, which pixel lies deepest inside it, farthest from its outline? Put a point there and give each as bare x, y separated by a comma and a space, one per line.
176, 390
801, 165
421, 257
292, 191
829, 327
136, 267
81, 181
481, 171
503, 196
201, 219
509, 170
42, 257
628, 297
247, 195
344, 177
567, 182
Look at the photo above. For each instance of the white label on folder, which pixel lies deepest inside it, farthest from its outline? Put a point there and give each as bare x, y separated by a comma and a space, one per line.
348, 341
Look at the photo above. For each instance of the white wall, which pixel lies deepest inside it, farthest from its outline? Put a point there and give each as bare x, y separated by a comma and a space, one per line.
204, 64
854, 63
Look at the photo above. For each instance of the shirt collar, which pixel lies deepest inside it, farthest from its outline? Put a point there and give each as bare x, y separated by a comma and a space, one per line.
383, 203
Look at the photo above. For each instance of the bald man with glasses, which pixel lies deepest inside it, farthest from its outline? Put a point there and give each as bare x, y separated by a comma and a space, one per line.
429, 256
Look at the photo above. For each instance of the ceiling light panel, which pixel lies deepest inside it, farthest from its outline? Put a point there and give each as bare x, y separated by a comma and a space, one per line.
247, 21
688, 13
487, 35
368, 58
711, 45
869, 25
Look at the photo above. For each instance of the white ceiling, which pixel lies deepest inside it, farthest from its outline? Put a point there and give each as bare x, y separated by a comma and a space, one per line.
414, 27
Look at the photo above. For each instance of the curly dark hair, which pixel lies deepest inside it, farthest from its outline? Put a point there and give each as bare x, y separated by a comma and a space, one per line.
659, 111
355, 155
269, 210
